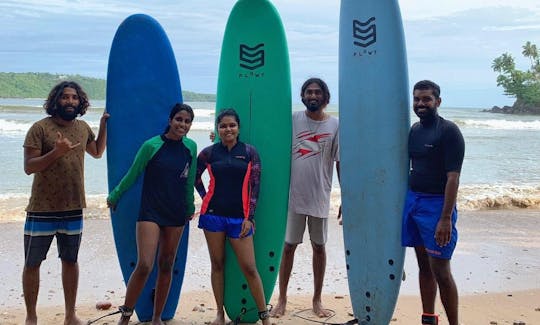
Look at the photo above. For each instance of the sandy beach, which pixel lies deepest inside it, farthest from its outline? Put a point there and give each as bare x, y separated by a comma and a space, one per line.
496, 267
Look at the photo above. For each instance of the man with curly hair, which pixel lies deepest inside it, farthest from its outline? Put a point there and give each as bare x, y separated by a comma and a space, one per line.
54, 151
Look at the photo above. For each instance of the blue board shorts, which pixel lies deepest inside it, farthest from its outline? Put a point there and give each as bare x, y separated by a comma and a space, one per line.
41, 227
230, 226
420, 217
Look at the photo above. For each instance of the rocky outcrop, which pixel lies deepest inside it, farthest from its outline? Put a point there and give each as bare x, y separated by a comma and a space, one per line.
518, 108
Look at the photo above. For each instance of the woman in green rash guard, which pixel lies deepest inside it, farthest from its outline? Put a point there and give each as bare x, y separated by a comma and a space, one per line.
166, 204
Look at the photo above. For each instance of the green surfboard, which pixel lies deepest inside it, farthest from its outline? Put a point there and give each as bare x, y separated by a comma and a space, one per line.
254, 79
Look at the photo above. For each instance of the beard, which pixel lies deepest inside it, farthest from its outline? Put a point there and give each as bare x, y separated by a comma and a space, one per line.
66, 115
427, 114
313, 105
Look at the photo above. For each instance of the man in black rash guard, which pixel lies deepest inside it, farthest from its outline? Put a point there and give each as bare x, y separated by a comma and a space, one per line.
436, 151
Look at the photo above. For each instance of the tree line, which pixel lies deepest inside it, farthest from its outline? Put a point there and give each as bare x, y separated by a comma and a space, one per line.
38, 85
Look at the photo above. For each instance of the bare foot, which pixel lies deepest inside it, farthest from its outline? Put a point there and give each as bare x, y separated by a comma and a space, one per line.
73, 321
157, 321
279, 309
320, 311
124, 320
220, 318
30, 321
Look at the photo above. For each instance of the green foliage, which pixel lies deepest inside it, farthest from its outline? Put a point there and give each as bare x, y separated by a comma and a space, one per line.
523, 85
190, 96
38, 85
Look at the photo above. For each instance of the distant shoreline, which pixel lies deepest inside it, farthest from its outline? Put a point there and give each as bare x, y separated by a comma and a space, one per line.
35, 85
186, 99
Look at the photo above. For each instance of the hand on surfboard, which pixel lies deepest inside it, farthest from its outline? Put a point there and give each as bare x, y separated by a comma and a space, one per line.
340, 221
104, 117
110, 205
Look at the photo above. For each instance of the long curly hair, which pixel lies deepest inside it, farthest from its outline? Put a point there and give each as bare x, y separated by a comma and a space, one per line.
58, 90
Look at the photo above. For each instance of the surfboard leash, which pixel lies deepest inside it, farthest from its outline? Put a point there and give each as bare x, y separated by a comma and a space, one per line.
124, 310
109, 314
325, 322
101, 317
244, 311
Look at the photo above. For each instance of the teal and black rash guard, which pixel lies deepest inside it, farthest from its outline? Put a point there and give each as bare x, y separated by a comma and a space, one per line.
234, 180
169, 168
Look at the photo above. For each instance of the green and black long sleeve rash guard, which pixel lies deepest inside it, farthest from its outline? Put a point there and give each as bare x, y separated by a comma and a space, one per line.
234, 180
169, 168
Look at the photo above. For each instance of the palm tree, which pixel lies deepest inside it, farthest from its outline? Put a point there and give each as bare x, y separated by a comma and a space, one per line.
530, 51
504, 63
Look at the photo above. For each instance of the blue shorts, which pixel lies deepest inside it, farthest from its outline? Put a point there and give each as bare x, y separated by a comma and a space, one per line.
41, 227
230, 226
420, 217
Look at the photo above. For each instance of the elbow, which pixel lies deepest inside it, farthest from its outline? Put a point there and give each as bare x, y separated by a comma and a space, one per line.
97, 154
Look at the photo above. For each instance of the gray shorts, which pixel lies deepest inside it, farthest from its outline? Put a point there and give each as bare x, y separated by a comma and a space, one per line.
296, 226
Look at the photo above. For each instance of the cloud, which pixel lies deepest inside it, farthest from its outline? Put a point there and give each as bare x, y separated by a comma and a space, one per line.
425, 9
511, 28
451, 41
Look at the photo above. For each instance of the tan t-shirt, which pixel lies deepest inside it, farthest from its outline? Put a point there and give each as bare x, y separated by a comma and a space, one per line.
60, 187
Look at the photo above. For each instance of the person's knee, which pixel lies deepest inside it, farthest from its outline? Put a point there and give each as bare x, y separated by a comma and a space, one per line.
144, 267
28, 269
217, 264
32, 262
68, 264
424, 265
424, 270
443, 276
318, 249
250, 270
166, 264
289, 249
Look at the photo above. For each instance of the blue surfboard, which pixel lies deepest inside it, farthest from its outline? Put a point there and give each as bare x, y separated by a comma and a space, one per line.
142, 86
374, 124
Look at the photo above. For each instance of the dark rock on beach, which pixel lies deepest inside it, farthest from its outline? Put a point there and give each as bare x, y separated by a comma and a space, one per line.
519, 108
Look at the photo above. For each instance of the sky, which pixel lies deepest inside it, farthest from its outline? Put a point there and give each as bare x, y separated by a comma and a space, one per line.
452, 42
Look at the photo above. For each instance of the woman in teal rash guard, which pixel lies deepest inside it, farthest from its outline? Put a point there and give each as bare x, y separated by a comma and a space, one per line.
166, 204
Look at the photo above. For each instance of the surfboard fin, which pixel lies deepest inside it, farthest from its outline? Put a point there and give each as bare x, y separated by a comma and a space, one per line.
430, 319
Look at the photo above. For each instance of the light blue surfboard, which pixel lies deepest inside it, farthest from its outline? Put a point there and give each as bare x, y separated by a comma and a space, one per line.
142, 86
374, 124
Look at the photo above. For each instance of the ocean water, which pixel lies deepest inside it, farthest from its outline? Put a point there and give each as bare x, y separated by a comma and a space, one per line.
501, 169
